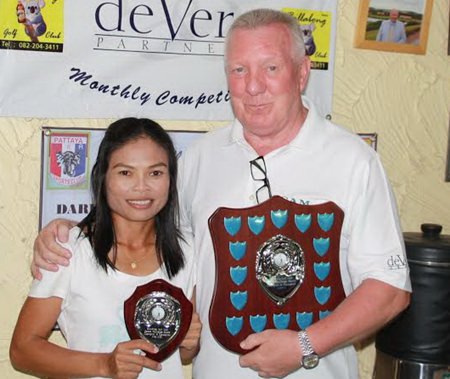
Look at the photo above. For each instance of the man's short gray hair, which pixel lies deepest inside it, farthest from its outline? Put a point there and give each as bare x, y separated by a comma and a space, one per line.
256, 18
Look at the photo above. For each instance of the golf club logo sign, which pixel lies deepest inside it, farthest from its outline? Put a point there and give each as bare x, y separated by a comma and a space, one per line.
277, 267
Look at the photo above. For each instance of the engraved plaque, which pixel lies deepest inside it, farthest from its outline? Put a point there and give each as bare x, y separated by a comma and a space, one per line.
159, 313
280, 267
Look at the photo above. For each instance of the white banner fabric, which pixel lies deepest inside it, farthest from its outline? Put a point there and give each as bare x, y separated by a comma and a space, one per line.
161, 59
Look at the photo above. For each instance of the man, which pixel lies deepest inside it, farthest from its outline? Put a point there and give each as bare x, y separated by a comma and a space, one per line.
307, 160
392, 30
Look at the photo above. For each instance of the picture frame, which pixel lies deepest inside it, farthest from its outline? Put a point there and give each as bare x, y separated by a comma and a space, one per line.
370, 138
448, 41
407, 32
447, 164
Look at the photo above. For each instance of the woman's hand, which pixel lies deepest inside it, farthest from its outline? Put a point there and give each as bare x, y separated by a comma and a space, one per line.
128, 359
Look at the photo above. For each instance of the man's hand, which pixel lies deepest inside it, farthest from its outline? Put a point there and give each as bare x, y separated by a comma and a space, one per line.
47, 252
190, 345
192, 338
277, 353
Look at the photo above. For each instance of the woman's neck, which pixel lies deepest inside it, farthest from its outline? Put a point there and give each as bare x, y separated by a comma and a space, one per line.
134, 234
136, 247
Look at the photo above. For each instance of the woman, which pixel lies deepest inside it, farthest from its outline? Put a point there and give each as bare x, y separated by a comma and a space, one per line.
128, 239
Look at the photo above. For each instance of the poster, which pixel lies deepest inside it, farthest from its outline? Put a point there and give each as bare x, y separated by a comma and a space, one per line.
32, 25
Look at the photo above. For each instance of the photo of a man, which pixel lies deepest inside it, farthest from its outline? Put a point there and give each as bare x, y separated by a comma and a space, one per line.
392, 30
394, 21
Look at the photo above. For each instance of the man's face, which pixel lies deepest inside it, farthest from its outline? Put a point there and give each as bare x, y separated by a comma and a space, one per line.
393, 15
265, 82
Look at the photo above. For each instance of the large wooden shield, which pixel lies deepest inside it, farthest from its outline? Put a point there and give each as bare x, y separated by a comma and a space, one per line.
277, 267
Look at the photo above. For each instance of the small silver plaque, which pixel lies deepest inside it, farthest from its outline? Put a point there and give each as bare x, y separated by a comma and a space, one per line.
280, 268
157, 318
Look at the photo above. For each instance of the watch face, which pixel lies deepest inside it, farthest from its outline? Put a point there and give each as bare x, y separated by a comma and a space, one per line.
310, 361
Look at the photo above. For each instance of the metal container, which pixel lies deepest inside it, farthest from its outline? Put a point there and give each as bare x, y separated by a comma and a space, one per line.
416, 345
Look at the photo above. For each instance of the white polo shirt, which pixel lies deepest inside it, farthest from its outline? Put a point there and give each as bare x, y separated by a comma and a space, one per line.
325, 162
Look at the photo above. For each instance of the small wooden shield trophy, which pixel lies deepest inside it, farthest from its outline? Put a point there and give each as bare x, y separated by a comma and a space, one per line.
160, 313
277, 267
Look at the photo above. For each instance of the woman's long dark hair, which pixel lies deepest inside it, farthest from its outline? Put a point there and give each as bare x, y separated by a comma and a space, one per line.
98, 225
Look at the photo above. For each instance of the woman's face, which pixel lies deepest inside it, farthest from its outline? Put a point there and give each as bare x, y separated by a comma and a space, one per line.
137, 181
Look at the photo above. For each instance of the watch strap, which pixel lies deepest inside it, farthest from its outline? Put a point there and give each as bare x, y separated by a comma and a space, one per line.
305, 343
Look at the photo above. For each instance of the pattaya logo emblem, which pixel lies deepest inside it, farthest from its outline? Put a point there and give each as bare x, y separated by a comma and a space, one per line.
68, 160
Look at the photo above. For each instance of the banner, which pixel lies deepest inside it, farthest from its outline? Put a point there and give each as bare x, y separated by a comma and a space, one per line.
68, 156
161, 59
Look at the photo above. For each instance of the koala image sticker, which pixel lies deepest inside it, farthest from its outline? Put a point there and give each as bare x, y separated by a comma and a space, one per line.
32, 25
68, 161
316, 27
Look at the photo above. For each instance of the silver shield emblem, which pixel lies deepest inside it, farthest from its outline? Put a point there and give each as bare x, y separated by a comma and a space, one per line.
280, 268
157, 318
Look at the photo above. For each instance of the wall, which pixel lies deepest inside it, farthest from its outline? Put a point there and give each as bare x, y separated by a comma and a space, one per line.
404, 98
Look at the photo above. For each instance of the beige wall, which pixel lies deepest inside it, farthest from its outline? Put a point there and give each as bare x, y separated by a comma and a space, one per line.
404, 98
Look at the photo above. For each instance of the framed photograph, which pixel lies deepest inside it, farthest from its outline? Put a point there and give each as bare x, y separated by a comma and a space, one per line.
399, 26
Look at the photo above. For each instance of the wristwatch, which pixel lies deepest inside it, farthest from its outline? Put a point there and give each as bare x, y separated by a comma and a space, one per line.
310, 358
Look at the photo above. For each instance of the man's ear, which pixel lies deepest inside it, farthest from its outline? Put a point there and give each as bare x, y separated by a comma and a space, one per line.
304, 69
